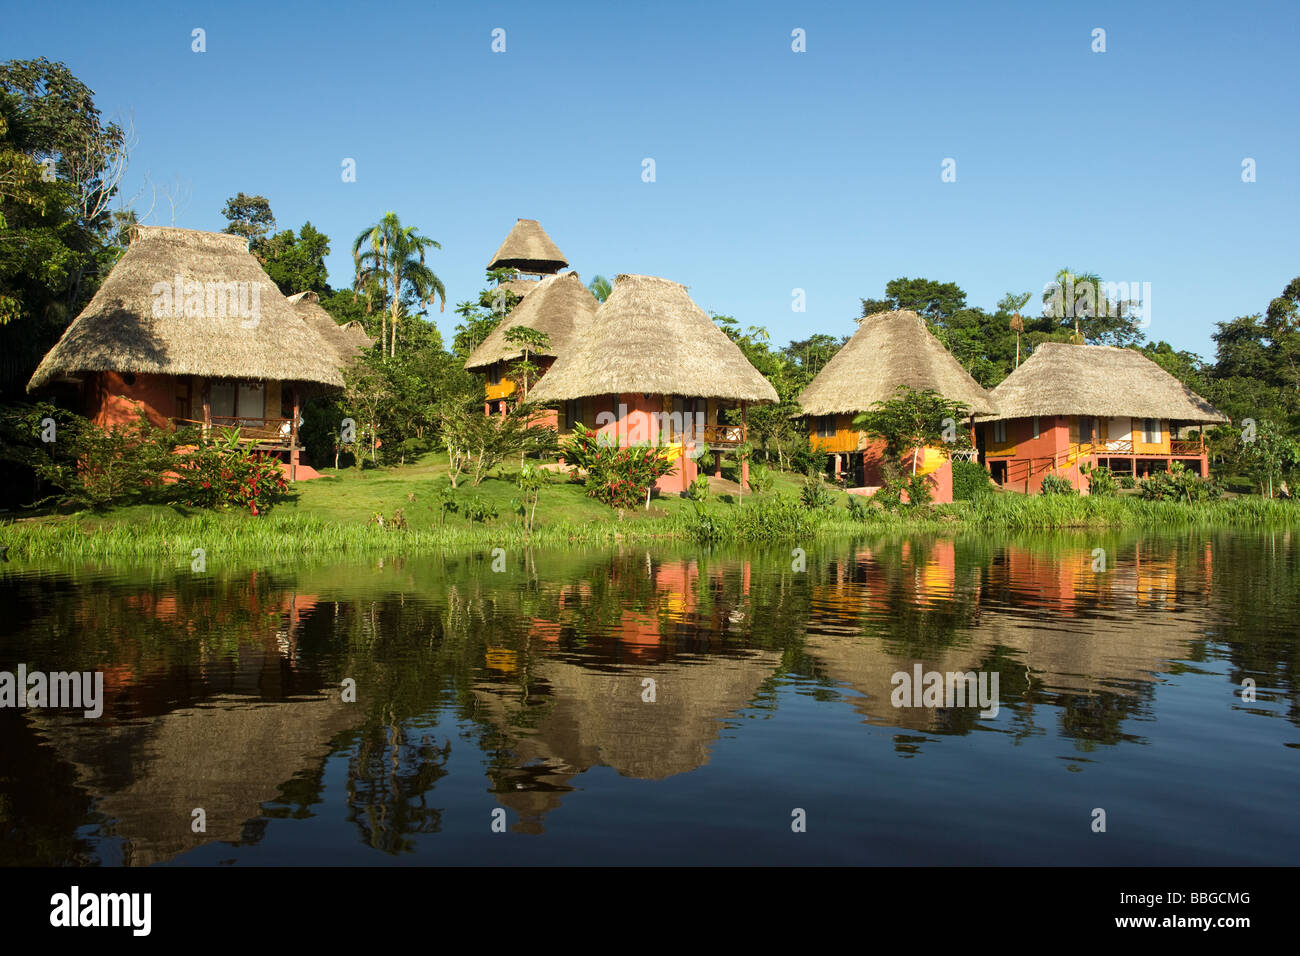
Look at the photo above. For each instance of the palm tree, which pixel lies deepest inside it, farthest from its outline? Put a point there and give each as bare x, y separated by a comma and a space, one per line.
600, 287
394, 264
1068, 281
1013, 303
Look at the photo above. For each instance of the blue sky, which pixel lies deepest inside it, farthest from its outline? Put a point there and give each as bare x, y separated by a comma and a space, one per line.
775, 170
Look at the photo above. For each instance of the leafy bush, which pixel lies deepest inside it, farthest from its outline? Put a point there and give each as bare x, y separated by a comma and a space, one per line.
699, 488
1127, 481
1101, 481
760, 479
1178, 484
92, 465
478, 510
897, 484
1056, 485
969, 479
217, 474
620, 477
814, 494
858, 508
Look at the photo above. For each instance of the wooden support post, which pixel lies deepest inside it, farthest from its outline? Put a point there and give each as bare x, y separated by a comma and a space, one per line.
293, 437
744, 437
207, 406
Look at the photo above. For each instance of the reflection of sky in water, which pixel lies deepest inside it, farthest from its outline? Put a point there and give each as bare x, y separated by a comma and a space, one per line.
530, 692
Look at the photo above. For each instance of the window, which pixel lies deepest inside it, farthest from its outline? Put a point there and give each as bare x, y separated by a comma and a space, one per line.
251, 400
222, 399
826, 426
1151, 431
1037, 431
572, 413
999, 431
1088, 430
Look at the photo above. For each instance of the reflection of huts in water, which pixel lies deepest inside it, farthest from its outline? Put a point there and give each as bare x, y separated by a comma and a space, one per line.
229, 755
1072, 583
1064, 650
576, 717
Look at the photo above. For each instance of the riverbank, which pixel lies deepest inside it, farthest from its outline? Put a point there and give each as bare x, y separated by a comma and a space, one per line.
340, 514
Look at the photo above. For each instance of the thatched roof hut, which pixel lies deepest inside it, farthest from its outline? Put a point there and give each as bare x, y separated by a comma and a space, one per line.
1097, 381
230, 320
348, 340
889, 349
649, 336
561, 306
529, 249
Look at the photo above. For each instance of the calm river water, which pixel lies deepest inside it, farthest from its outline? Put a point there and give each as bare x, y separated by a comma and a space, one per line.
665, 705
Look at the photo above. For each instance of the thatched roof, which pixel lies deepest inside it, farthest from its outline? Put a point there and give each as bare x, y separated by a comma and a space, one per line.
348, 340
529, 249
561, 306
889, 349
1098, 381
520, 287
648, 336
127, 327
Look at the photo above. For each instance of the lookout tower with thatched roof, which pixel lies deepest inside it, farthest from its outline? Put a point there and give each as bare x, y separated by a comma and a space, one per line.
1072, 407
653, 368
188, 328
889, 349
561, 307
528, 252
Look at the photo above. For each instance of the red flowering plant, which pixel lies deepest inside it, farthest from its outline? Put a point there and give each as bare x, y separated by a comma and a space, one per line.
620, 477
222, 473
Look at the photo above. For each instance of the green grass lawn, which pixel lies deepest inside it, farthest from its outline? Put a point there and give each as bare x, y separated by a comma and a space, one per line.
333, 514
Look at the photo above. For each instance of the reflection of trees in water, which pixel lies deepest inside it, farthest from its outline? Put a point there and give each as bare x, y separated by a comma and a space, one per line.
1257, 606
539, 661
390, 775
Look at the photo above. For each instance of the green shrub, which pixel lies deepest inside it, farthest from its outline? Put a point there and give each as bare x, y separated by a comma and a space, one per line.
1127, 481
699, 488
760, 479
478, 510
1101, 481
90, 464
969, 479
1056, 485
1178, 484
815, 495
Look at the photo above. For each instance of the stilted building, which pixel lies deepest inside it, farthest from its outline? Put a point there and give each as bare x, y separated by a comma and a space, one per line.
889, 349
1071, 407
653, 368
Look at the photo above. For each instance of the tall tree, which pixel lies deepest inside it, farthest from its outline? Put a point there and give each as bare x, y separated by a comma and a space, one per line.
1013, 302
1282, 326
393, 262
248, 216
296, 263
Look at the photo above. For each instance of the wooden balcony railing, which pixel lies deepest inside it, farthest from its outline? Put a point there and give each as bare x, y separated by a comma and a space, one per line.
722, 436
260, 432
1181, 446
